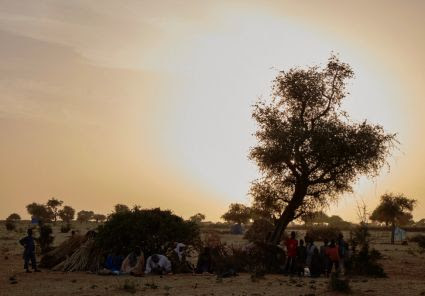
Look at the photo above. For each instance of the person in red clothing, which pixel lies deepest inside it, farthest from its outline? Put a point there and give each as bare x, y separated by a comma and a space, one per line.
291, 248
333, 253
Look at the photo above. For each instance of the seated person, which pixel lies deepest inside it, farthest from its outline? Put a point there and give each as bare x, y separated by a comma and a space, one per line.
158, 264
112, 264
178, 259
204, 261
134, 263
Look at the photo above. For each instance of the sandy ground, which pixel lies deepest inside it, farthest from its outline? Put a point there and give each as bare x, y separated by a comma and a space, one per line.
405, 267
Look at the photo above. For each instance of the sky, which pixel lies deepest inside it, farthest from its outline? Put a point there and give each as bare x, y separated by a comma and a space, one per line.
149, 102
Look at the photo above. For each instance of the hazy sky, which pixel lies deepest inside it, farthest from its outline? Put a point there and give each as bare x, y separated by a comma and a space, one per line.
149, 102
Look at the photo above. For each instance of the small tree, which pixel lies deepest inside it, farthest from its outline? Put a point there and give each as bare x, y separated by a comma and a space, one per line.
41, 212
120, 208
84, 216
54, 205
197, 218
309, 151
394, 209
99, 217
13, 217
67, 214
237, 213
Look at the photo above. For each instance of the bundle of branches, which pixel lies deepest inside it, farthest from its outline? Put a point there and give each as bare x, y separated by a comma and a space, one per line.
64, 250
87, 257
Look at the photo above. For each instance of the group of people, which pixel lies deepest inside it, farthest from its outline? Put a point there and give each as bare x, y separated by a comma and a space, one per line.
135, 264
305, 258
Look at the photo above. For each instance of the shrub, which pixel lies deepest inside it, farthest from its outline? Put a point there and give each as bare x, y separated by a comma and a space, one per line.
152, 229
10, 225
259, 230
319, 233
65, 228
420, 240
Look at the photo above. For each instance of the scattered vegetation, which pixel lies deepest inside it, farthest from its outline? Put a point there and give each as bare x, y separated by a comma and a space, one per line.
420, 240
319, 233
259, 230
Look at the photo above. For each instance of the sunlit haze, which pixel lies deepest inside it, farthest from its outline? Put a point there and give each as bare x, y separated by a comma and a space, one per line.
149, 102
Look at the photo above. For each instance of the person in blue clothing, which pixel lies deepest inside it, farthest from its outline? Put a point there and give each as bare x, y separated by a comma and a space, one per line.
29, 251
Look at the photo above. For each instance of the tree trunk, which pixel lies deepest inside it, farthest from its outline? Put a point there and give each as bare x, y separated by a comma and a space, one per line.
392, 232
288, 214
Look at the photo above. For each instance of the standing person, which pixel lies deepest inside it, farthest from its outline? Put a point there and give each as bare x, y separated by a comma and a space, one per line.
310, 251
29, 251
324, 257
301, 256
333, 254
342, 246
158, 264
315, 264
291, 248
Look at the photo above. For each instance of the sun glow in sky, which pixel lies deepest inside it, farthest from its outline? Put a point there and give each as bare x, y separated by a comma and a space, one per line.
149, 102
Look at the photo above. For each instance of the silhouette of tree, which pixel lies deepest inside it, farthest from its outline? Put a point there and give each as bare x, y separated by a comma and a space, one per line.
66, 214
84, 216
197, 218
309, 151
394, 209
54, 205
99, 217
13, 217
237, 213
120, 208
41, 212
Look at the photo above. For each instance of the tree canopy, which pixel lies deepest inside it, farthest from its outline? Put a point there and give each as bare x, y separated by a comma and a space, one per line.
99, 217
119, 208
66, 214
237, 213
197, 218
42, 212
54, 205
309, 151
394, 209
84, 216
13, 217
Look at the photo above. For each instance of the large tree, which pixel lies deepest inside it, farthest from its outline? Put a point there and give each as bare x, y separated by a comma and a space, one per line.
121, 208
197, 218
54, 205
237, 213
394, 209
309, 151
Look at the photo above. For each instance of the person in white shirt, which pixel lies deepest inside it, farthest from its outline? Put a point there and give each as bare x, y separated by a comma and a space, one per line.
158, 264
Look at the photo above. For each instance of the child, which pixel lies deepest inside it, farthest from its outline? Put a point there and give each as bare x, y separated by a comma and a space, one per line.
333, 254
29, 251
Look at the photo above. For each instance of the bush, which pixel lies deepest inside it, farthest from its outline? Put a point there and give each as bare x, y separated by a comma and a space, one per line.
419, 239
10, 225
319, 233
259, 230
152, 229
65, 228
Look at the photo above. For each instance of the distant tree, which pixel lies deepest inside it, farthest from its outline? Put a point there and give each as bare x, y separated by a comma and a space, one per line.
317, 217
99, 217
237, 213
120, 208
309, 151
197, 218
41, 212
420, 223
84, 216
67, 214
394, 209
13, 217
337, 221
54, 205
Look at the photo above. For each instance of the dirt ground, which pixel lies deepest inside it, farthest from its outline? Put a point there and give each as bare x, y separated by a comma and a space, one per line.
404, 265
